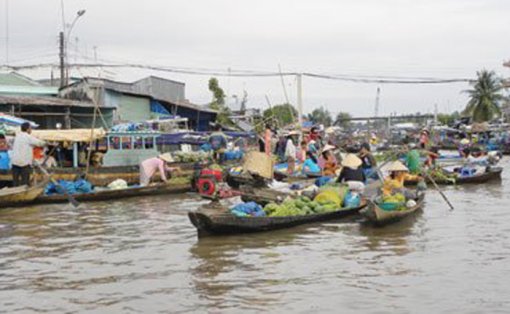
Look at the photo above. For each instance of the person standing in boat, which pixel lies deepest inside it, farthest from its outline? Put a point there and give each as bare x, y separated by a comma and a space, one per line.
290, 152
149, 167
22, 156
268, 134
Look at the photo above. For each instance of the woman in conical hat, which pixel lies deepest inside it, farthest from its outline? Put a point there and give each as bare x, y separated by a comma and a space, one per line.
150, 166
352, 174
394, 183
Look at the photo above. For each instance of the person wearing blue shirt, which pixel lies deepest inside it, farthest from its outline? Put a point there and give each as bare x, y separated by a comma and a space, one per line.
310, 164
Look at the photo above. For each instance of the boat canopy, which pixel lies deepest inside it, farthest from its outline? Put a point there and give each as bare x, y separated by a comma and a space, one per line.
72, 135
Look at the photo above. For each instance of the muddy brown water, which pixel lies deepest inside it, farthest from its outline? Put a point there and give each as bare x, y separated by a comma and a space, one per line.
142, 256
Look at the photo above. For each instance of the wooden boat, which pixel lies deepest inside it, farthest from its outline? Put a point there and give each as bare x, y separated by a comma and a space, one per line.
214, 219
493, 173
97, 176
104, 195
284, 176
22, 195
381, 217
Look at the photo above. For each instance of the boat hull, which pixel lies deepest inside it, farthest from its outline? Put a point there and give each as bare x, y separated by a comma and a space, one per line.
216, 220
379, 217
21, 196
106, 195
96, 176
493, 173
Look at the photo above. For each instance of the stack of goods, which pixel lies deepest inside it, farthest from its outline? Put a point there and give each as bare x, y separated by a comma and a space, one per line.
250, 209
76, 187
118, 184
396, 201
234, 155
301, 206
439, 175
190, 157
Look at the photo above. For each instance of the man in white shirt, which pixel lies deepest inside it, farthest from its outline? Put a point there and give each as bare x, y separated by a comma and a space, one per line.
22, 155
290, 152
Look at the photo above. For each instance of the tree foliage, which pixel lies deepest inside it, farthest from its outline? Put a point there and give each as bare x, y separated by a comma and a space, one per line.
448, 119
485, 97
218, 102
343, 120
321, 116
283, 114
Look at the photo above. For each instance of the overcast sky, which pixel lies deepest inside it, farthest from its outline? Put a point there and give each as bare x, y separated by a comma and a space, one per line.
412, 38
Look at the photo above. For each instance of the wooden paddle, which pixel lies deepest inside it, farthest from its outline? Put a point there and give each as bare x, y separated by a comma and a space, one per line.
438, 189
70, 198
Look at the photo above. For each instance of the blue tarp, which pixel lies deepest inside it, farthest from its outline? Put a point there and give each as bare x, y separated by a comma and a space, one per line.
76, 187
195, 138
156, 107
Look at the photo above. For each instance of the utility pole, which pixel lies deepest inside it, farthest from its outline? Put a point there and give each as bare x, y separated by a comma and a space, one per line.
376, 111
7, 32
300, 100
62, 60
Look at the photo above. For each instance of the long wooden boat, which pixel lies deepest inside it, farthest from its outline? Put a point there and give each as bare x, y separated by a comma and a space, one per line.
493, 173
284, 176
22, 195
381, 217
104, 195
97, 176
214, 219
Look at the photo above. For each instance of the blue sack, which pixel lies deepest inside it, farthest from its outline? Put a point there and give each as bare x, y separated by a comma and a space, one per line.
352, 200
248, 209
322, 181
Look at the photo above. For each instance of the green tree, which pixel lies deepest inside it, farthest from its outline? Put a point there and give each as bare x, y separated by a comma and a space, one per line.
448, 119
343, 120
283, 114
321, 116
485, 97
218, 102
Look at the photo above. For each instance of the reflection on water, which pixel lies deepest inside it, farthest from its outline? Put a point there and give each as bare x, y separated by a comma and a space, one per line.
142, 255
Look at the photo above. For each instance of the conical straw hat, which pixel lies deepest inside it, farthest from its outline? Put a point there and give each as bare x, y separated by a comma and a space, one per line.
351, 161
166, 157
396, 166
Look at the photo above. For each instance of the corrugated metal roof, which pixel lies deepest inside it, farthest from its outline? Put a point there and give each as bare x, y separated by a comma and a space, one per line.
150, 87
44, 101
16, 79
28, 90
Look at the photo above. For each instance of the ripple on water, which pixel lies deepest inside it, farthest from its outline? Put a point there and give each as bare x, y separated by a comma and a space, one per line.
142, 255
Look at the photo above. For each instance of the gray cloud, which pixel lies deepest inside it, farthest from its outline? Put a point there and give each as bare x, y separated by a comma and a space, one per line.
440, 38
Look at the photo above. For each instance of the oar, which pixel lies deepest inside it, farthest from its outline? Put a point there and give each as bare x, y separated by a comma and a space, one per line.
438, 189
70, 198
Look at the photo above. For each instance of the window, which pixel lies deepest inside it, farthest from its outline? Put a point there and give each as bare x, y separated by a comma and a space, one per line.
114, 142
138, 142
149, 142
126, 142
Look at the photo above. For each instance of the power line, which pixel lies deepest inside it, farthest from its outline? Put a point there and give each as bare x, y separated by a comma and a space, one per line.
251, 73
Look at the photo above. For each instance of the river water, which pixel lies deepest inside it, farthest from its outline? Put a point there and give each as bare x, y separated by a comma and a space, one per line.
143, 256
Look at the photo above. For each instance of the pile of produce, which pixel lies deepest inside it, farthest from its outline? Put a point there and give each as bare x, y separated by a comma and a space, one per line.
300, 206
190, 157
393, 202
439, 175
179, 180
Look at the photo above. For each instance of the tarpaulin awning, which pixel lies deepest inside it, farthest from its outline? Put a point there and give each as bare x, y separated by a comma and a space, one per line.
73, 135
15, 121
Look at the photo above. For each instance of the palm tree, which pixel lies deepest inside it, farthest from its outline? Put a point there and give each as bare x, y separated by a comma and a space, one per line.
485, 97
